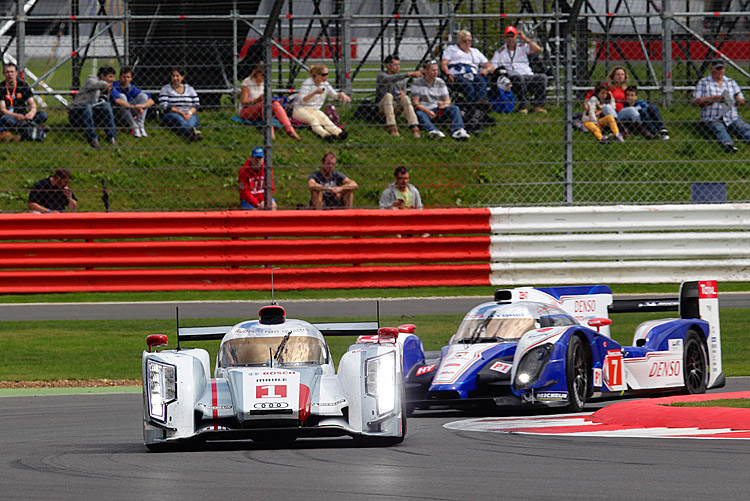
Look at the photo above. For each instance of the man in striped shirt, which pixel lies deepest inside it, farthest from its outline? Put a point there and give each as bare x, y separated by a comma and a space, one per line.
718, 97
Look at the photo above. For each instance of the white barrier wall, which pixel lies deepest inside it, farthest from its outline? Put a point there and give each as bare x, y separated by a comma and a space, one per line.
619, 244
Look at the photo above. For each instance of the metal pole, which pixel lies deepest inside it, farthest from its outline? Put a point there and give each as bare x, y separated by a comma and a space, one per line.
21, 35
235, 45
267, 104
666, 55
568, 105
345, 83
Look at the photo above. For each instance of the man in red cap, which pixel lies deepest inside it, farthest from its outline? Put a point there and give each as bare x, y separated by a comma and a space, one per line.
514, 58
251, 182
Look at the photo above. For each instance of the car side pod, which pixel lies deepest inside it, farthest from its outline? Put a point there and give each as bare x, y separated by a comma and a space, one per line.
156, 341
599, 322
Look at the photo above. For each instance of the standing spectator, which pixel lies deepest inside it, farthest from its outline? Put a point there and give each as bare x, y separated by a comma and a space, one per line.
251, 181
251, 100
131, 103
91, 108
400, 194
649, 120
431, 100
718, 97
52, 194
467, 66
594, 118
180, 102
329, 187
18, 107
312, 95
390, 86
514, 58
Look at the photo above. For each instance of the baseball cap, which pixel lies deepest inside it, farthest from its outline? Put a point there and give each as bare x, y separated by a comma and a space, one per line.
257, 152
717, 63
511, 29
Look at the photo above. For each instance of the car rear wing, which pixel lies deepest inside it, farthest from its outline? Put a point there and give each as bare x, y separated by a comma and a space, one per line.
328, 329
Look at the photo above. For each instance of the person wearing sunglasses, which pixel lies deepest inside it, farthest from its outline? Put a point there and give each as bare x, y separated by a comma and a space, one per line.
470, 69
514, 58
312, 95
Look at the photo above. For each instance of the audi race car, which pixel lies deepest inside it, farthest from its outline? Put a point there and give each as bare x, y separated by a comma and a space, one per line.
274, 381
551, 346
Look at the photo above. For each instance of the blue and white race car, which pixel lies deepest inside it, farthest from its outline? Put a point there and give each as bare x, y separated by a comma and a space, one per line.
274, 381
551, 346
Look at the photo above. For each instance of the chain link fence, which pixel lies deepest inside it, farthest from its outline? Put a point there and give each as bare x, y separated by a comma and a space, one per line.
510, 159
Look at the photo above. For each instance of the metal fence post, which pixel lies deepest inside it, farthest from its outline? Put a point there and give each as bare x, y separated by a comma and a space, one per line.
666, 58
345, 82
21, 35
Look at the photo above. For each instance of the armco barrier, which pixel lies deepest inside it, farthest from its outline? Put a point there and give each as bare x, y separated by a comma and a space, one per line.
372, 248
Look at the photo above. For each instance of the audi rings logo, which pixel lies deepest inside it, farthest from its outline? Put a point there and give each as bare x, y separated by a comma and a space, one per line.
271, 405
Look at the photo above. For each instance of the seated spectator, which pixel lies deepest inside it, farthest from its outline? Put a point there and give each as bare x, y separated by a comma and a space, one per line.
52, 194
329, 187
251, 100
594, 118
390, 87
617, 81
312, 95
514, 58
649, 122
400, 194
131, 103
18, 108
432, 100
470, 69
91, 108
718, 97
251, 181
179, 103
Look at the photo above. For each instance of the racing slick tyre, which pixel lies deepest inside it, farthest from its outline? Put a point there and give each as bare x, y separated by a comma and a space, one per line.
577, 369
695, 364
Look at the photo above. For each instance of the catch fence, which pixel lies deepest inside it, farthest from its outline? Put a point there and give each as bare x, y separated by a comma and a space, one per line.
511, 159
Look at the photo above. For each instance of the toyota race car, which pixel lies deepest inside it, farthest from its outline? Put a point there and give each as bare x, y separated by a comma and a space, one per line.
551, 346
274, 381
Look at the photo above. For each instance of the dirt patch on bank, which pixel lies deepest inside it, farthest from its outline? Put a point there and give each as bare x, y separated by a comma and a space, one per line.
70, 383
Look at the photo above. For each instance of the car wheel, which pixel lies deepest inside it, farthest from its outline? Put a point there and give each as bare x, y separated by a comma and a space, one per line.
577, 369
695, 364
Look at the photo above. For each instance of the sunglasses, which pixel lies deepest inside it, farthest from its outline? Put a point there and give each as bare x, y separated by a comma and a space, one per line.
323, 74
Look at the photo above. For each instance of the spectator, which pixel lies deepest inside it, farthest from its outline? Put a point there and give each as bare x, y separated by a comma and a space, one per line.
131, 103
18, 107
52, 194
718, 97
91, 107
514, 58
329, 187
431, 100
391, 86
594, 118
312, 95
251, 99
617, 81
649, 121
180, 102
400, 194
251, 181
467, 66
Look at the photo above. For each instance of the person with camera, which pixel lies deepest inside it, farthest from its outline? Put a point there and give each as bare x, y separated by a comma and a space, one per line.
718, 96
52, 194
514, 58
18, 112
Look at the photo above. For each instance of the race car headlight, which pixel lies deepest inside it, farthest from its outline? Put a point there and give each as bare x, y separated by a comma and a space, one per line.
380, 381
531, 366
162, 388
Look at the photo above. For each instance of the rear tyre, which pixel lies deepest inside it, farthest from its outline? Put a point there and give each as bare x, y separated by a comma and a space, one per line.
577, 370
695, 364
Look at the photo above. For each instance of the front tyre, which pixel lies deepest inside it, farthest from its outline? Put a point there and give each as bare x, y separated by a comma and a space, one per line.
695, 364
577, 370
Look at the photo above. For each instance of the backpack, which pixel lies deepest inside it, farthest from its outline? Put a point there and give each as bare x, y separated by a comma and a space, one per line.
31, 131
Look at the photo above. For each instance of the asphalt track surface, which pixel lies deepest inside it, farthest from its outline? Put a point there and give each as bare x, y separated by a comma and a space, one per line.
90, 447
295, 308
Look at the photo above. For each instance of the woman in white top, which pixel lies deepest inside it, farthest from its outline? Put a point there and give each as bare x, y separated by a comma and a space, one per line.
312, 95
179, 102
468, 67
251, 99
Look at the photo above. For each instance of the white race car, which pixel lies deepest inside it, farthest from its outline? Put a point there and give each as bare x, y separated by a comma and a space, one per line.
274, 381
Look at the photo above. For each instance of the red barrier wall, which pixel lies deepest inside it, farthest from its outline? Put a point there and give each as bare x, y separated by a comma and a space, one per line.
234, 250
